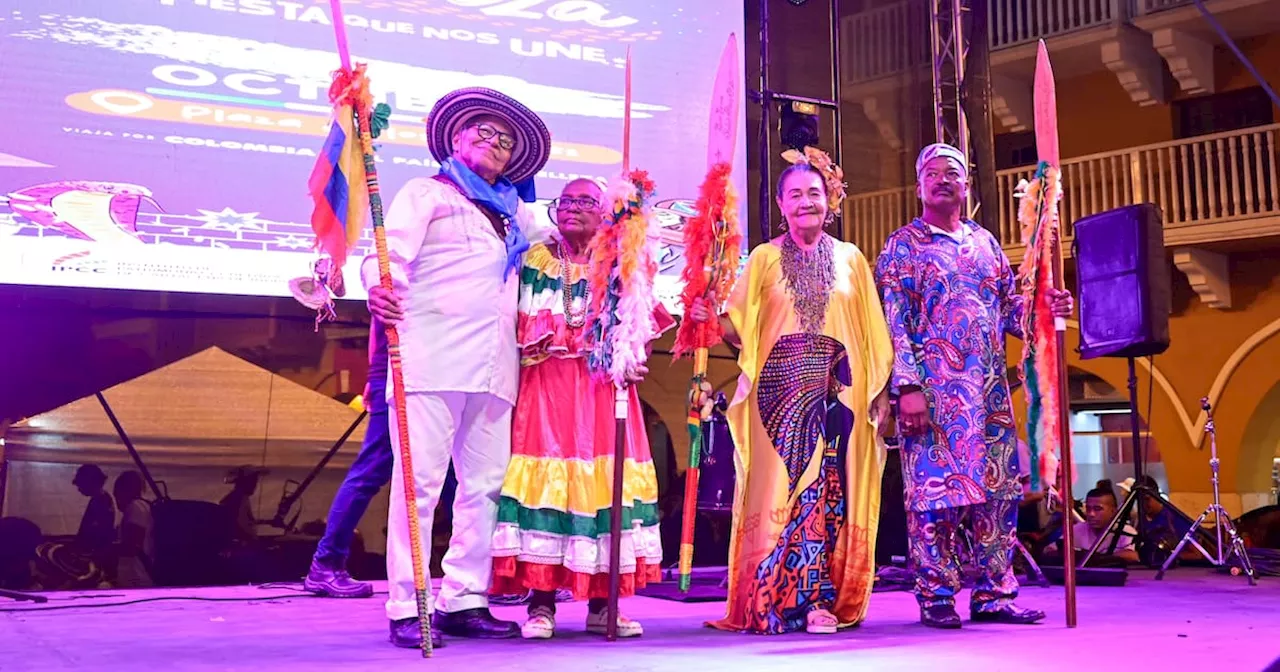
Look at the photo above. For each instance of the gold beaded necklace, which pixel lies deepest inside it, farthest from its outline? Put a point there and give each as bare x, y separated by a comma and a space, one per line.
574, 318
809, 276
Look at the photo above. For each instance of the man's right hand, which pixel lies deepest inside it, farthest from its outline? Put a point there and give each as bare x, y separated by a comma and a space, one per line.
385, 305
913, 413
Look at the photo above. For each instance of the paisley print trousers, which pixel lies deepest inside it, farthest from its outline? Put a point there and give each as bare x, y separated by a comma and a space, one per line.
983, 534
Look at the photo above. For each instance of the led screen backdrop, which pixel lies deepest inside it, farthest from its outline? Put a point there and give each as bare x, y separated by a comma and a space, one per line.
166, 144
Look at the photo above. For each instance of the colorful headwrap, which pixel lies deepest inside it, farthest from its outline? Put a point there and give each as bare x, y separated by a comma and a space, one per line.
936, 150
832, 174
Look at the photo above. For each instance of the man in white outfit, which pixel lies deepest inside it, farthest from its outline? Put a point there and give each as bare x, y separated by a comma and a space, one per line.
455, 242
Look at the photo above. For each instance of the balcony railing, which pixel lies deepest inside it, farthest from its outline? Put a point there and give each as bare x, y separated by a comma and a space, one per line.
1198, 181
1013, 22
888, 40
871, 217
885, 41
1152, 6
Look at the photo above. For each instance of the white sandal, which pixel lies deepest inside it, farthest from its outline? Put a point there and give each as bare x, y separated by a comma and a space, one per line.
821, 622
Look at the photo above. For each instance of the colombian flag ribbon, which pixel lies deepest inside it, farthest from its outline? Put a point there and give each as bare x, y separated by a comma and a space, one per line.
337, 185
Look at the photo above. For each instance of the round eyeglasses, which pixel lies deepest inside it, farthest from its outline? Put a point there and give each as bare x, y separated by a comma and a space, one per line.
487, 132
574, 203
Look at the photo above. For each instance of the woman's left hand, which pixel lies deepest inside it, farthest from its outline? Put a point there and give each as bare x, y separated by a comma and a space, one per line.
637, 373
880, 411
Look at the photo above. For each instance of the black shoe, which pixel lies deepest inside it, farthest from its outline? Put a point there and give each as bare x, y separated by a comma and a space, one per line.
1010, 613
941, 616
407, 634
334, 582
475, 624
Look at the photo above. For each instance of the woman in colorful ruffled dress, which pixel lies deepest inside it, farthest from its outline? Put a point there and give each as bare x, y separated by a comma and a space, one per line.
553, 518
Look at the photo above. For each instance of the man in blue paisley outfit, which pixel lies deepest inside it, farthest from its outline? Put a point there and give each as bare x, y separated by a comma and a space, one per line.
950, 297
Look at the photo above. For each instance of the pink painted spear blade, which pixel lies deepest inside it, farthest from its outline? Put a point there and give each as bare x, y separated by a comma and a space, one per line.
1046, 109
1046, 121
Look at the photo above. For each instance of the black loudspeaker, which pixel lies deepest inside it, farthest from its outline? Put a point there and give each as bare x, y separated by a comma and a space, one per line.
1123, 283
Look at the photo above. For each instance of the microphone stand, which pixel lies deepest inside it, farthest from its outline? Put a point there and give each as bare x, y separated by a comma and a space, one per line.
1221, 519
288, 498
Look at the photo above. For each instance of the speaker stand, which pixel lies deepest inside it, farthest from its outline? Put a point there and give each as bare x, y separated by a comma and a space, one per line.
1136, 494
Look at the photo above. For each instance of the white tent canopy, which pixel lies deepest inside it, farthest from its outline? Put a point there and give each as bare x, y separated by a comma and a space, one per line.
191, 421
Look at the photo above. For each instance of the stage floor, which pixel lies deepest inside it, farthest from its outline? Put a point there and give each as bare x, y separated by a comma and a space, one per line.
1193, 620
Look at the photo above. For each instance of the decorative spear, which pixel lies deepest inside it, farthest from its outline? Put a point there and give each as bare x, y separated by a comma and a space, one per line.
712, 248
1044, 352
340, 201
619, 410
621, 321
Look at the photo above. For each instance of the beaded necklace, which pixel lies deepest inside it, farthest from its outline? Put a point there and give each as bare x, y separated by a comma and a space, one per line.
809, 276
575, 318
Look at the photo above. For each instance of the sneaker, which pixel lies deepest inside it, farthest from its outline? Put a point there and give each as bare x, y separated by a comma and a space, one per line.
598, 623
541, 624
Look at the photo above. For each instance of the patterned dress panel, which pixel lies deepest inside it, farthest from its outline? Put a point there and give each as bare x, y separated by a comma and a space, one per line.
949, 304
796, 577
798, 408
803, 372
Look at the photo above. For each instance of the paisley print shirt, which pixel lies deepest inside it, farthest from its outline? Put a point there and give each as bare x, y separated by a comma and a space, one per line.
949, 303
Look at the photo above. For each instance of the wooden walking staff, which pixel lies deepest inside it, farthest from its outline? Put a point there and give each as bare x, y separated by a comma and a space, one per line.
1048, 400
620, 416
621, 319
364, 119
615, 513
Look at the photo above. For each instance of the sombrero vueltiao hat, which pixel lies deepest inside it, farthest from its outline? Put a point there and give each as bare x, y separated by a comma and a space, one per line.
456, 109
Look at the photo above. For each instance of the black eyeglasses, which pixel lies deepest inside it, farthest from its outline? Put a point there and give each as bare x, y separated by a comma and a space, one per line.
571, 203
487, 132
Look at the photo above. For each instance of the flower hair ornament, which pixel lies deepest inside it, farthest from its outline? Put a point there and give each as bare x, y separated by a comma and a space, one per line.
831, 173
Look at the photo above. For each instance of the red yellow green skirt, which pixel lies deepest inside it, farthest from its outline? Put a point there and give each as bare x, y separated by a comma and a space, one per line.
553, 518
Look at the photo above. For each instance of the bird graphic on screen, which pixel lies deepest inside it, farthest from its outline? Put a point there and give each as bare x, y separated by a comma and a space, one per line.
103, 212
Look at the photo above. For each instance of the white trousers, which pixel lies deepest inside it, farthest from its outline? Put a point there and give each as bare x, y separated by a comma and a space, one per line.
475, 430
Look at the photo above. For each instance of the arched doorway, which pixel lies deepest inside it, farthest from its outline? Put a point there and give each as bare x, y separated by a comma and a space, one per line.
661, 447
1258, 472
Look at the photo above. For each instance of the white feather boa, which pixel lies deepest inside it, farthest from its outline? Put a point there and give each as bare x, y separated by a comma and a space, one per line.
627, 332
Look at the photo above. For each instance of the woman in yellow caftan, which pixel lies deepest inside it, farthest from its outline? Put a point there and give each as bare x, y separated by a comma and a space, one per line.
815, 358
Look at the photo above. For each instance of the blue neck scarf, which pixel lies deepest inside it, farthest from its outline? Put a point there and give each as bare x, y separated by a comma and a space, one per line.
502, 197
